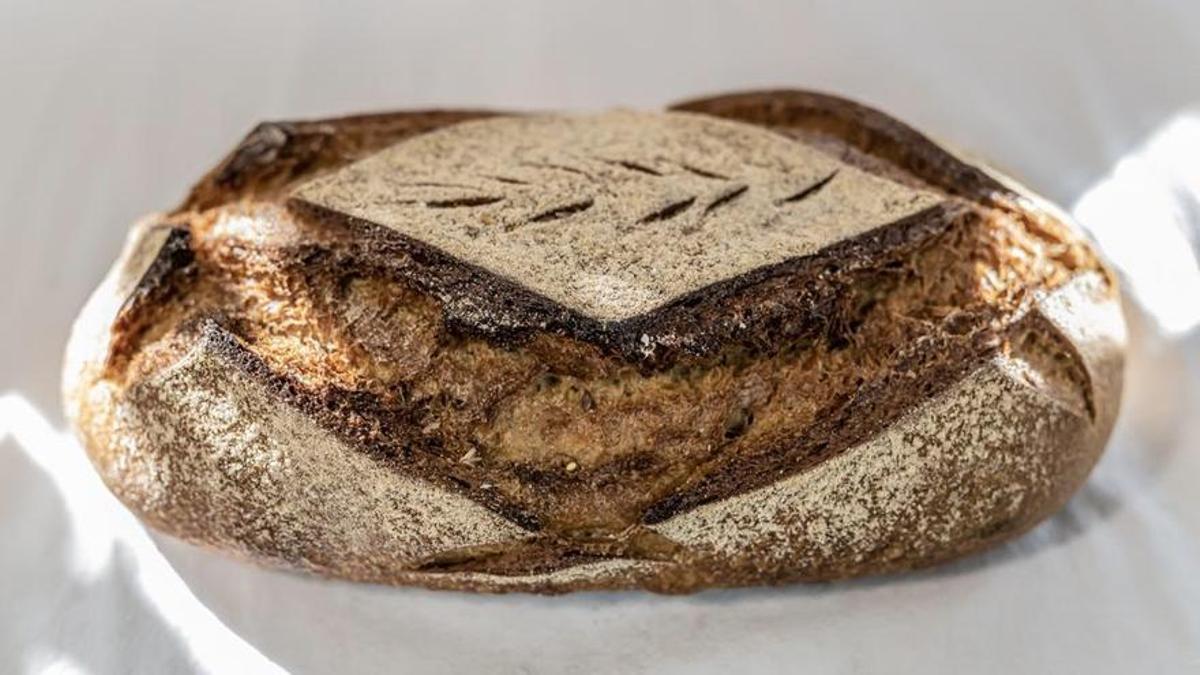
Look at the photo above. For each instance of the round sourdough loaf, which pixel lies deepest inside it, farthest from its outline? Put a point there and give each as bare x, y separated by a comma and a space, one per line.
752, 339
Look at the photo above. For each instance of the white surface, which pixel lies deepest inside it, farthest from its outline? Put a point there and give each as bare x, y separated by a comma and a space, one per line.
110, 111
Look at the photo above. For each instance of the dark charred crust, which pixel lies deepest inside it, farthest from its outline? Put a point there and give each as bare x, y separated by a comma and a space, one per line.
862, 127
382, 430
475, 301
804, 290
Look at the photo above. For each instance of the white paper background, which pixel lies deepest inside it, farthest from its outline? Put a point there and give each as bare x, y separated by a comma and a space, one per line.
108, 110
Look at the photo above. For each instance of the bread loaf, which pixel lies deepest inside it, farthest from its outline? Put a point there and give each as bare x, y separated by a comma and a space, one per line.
751, 339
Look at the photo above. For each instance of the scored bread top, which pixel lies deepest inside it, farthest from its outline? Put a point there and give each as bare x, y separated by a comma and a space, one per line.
589, 327
616, 214
424, 285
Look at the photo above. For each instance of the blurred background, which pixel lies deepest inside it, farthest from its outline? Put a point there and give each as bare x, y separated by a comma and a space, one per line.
109, 110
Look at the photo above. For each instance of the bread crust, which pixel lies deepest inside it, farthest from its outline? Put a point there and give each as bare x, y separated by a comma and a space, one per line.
965, 444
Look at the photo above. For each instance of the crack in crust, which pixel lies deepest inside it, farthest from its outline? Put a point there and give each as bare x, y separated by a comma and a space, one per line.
700, 323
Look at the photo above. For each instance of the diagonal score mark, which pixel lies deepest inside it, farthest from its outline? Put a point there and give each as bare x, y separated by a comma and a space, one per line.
808, 191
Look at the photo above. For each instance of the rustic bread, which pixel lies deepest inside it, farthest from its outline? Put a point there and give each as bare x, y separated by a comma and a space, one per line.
757, 338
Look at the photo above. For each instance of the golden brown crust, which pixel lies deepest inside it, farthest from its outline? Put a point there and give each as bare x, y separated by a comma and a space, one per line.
303, 386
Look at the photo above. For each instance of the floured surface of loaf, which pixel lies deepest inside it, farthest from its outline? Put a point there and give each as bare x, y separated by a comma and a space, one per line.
666, 350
